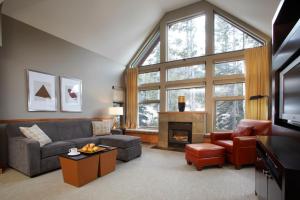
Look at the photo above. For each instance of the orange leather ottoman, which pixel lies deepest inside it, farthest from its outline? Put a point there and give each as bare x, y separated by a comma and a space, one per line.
204, 154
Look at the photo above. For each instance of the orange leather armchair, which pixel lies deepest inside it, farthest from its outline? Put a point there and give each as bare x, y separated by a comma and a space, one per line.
242, 150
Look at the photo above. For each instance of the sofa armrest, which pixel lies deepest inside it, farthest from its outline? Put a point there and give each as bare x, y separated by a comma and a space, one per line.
24, 155
220, 136
244, 141
244, 150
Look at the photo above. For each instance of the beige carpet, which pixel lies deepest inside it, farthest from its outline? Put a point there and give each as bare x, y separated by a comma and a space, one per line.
157, 175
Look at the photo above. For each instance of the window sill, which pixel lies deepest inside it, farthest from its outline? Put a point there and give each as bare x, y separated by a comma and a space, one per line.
144, 131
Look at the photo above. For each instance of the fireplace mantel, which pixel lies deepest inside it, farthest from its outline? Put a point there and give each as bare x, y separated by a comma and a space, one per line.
198, 120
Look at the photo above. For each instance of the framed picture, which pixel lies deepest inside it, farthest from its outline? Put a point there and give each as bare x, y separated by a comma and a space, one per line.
41, 91
70, 94
118, 94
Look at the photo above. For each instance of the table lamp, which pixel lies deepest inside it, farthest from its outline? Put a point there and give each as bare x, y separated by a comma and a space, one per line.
115, 111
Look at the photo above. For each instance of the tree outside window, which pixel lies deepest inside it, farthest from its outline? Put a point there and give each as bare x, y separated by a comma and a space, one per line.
194, 99
154, 56
148, 108
229, 113
229, 38
186, 38
185, 73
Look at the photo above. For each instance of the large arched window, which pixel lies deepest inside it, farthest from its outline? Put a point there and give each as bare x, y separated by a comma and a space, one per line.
197, 51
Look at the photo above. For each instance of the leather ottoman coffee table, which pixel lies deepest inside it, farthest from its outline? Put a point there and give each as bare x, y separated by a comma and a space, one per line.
79, 170
84, 168
204, 154
107, 160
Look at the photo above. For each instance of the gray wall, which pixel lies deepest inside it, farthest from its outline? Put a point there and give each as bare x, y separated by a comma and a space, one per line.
25, 47
0, 25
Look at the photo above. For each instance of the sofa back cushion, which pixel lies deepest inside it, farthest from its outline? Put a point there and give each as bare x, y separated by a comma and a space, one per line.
74, 129
260, 127
50, 129
56, 131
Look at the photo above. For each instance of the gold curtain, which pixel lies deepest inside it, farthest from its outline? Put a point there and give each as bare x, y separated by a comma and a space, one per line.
257, 62
131, 97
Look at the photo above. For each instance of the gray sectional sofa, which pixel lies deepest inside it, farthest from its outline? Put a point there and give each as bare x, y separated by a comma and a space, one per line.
26, 155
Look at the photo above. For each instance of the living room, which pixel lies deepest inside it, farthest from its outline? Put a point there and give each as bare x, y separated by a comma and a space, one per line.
149, 99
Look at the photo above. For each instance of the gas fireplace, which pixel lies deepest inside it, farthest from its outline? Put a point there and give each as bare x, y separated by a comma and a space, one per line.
180, 133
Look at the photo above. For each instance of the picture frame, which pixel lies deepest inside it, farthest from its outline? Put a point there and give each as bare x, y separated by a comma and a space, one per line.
41, 91
118, 94
70, 94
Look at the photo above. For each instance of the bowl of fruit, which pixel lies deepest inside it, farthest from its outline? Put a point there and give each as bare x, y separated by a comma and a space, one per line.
90, 148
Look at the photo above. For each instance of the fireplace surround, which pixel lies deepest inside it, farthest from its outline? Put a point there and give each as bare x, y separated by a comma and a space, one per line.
196, 118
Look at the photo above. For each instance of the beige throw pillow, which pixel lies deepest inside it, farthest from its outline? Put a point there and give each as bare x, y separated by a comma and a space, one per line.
102, 127
37, 134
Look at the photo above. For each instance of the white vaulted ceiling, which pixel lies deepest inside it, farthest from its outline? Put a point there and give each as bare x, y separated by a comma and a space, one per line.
116, 28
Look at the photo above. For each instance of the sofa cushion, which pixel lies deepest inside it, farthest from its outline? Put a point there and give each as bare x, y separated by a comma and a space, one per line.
227, 144
57, 131
80, 142
121, 141
37, 134
69, 130
49, 128
102, 127
56, 148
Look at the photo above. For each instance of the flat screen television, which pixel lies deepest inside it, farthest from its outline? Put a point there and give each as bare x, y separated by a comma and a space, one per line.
290, 93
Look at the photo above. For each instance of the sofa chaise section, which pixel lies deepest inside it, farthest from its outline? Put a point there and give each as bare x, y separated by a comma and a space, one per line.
129, 147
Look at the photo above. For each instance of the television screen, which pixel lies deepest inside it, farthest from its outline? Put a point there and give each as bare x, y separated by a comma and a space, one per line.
291, 91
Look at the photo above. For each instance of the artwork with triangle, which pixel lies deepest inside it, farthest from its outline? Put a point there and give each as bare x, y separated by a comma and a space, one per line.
43, 92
